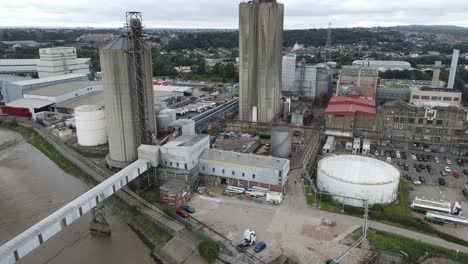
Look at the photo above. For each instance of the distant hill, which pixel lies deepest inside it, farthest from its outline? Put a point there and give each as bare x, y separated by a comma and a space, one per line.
438, 29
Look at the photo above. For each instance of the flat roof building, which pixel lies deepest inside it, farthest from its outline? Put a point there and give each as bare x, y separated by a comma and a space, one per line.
58, 93
382, 65
14, 90
435, 96
183, 152
245, 170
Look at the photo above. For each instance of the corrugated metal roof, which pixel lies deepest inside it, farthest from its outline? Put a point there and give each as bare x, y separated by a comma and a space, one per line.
185, 141
93, 98
31, 62
50, 79
30, 103
62, 88
244, 159
346, 105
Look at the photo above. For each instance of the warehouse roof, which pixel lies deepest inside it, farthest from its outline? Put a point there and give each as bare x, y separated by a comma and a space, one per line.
185, 141
50, 79
30, 103
351, 105
244, 159
93, 98
62, 88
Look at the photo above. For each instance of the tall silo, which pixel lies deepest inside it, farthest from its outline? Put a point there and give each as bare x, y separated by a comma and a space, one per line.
120, 93
281, 142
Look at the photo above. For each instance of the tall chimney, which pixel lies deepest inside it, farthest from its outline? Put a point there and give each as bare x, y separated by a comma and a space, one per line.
436, 74
453, 69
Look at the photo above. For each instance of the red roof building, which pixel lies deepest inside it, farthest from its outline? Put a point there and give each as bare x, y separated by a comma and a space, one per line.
351, 105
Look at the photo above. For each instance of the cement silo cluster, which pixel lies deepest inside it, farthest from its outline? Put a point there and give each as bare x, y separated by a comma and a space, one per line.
358, 177
90, 123
164, 118
128, 95
281, 142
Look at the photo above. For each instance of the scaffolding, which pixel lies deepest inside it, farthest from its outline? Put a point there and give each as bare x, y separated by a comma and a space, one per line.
137, 48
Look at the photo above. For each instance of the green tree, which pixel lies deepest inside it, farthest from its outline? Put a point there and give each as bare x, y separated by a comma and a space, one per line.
229, 70
209, 250
218, 69
168, 70
170, 210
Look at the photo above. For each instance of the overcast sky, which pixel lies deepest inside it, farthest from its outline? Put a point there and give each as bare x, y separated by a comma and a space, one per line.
224, 13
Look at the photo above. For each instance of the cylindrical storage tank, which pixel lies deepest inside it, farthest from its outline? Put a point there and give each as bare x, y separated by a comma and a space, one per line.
358, 177
281, 142
163, 121
170, 112
90, 125
158, 107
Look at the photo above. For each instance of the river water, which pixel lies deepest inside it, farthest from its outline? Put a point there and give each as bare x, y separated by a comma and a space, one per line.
32, 187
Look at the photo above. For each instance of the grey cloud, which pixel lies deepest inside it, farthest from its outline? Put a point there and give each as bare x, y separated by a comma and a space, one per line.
224, 13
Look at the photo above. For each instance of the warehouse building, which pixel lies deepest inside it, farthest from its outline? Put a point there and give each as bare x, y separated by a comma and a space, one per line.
92, 98
381, 65
357, 76
58, 93
183, 152
14, 90
243, 170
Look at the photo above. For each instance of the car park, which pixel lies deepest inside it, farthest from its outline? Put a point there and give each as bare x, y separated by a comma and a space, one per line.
456, 174
441, 181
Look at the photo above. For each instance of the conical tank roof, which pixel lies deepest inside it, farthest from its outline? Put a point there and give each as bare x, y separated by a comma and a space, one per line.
120, 43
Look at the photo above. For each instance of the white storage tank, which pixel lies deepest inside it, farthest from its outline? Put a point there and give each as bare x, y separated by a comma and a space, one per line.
358, 177
281, 142
90, 125
163, 121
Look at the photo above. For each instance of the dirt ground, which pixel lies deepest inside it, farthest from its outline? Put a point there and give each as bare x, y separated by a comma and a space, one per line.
292, 228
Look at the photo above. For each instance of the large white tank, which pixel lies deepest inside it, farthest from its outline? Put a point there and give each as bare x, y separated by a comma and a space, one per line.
281, 142
163, 121
170, 112
358, 177
90, 125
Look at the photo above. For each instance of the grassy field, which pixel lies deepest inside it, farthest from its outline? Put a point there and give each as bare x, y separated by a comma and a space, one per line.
396, 214
133, 216
93, 155
414, 248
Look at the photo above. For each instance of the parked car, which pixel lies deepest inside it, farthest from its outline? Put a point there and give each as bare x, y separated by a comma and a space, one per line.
400, 163
431, 171
406, 167
413, 157
422, 166
182, 213
441, 181
456, 174
382, 152
443, 173
447, 169
465, 172
428, 167
422, 179
259, 247
436, 161
418, 169
188, 209
376, 153
448, 161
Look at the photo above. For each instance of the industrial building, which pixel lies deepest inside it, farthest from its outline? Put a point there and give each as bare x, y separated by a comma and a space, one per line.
7, 78
175, 192
289, 72
92, 98
380, 65
14, 90
244, 170
184, 151
358, 178
435, 96
128, 94
260, 55
58, 93
52, 62
60, 61
357, 76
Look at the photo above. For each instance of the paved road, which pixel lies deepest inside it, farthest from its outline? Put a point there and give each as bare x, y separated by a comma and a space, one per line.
295, 199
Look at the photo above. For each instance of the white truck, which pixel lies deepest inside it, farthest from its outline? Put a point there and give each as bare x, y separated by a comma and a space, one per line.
422, 205
248, 239
441, 218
